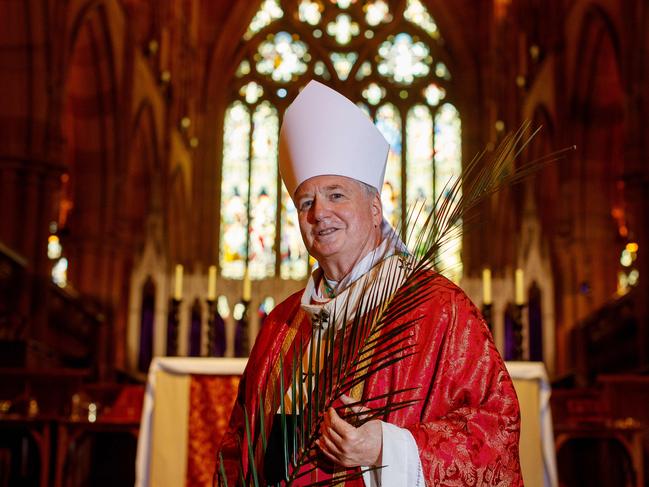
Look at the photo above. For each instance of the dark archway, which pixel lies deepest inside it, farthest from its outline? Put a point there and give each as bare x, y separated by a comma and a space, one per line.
599, 110
535, 322
89, 132
147, 322
140, 197
195, 329
596, 462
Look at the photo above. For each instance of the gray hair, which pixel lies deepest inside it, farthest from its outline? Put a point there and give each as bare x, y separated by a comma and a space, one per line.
370, 191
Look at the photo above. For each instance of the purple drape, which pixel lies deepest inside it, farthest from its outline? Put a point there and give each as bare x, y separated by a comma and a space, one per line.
195, 330
146, 326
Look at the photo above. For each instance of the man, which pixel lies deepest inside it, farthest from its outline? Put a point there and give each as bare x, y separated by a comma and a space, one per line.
462, 423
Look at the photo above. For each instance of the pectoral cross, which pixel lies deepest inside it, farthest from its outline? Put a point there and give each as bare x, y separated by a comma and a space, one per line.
320, 319
405, 263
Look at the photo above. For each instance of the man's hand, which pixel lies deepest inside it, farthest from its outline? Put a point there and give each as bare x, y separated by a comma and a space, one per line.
348, 446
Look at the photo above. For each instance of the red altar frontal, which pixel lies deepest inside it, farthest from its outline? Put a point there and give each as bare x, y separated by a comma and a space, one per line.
186, 411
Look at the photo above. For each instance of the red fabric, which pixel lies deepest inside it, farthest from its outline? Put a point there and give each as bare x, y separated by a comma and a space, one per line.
127, 408
210, 402
466, 423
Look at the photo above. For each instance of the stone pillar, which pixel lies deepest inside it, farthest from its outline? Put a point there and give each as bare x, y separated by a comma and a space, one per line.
28, 189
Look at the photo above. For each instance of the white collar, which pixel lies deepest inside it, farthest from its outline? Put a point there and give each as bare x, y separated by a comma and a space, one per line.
390, 244
378, 267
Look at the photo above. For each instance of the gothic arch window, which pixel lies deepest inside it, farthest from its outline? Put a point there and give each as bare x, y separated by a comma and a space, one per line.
388, 59
147, 318
195, 329
535, 322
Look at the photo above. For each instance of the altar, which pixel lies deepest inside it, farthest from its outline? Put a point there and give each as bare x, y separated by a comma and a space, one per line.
187, 408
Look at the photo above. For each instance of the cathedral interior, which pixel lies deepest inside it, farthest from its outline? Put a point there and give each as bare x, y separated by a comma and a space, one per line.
141, 204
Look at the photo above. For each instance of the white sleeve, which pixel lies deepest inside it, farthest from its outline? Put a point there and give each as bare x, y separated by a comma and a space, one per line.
400, 460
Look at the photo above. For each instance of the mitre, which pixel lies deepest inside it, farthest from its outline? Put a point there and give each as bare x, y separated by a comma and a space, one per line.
324, 133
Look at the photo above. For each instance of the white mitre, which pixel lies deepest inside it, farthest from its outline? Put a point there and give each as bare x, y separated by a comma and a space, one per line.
323, 133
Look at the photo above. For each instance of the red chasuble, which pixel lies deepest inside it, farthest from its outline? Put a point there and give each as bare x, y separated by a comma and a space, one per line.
466, 422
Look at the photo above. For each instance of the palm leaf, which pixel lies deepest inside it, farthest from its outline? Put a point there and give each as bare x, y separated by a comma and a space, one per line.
221, 471
251, 456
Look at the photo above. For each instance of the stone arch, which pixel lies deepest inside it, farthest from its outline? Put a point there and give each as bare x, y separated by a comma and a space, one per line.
220, 69
111, 15
142, 178
546, 182
30, 169
549, 197
139, 207
89, 128
177, 217
504, 227
25, 122
149, 266
598, 107
536, 215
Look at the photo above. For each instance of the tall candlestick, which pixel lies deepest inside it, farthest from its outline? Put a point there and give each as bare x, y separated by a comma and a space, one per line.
178, 283
486, 286
211, 283
519, 288
247, 286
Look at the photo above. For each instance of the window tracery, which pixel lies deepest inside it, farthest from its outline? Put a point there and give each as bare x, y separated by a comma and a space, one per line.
389, 60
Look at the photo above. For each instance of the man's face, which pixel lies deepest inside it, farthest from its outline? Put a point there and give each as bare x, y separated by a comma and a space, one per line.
339, 221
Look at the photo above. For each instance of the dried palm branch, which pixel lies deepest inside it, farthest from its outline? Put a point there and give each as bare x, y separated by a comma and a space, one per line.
373, 336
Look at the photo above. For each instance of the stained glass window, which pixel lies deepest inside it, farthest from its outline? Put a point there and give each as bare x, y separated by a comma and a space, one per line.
309, 12
60, 272
402, 59
364, 71
388, 121
448, 142
374, 94
54, 248
343, 29
343, 62
377, 12
294, 257
251, 92
434, 94
263, 191
282, 57
388, 59
234, 191
419, 170
267, 13
416, 13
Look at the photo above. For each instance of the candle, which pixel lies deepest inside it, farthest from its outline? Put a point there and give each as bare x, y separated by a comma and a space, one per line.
178, 283
519, 289
486, 286
211, 283
247, 288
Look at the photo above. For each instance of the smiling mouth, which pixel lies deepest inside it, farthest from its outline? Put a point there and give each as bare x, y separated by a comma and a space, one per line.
325, 232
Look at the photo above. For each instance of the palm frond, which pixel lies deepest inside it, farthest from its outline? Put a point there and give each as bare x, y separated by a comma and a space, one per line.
251, 456
221, 471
